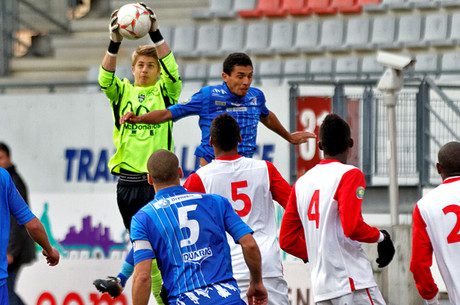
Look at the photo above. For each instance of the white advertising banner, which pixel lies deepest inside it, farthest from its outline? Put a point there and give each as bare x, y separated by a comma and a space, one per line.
60, 144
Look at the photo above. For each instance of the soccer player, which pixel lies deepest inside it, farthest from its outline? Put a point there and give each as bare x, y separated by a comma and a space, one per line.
135, 144
235, 96
323, 216
12, 203
250, 185
21, 249
185, 232
436, 221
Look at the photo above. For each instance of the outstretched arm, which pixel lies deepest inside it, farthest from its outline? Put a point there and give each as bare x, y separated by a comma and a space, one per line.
38, 234
297, 137
152, 117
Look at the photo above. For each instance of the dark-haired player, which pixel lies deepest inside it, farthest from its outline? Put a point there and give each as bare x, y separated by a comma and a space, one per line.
323, 215
185, 232
234, 96
251, 186
436, 219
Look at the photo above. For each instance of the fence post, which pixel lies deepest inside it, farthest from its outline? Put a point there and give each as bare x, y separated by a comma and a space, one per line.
294, 92
339, 102
422, 137
368, 104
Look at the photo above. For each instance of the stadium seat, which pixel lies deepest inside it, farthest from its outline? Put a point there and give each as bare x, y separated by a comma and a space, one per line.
320, 7
332, 35
427, 64
208, 40
195, 72
243, 5
437, 29
384, 32
184, 40
358, 34
386, 5
257, 38
450, 63
270, 72
347, 67
423, 4
454, 36
294, 8
410, 31
263, 6
295, 69
307, 36
233, 37
282, 37
370, 67
322, 68
347, 6
217, 8
448, 3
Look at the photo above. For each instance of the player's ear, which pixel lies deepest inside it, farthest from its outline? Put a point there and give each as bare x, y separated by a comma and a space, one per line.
439, 168
225, 76
180, 172
240, 140
351, 143
211, 142
149, 179
320, 145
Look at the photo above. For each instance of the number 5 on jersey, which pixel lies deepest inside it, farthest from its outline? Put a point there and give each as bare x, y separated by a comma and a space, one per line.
313, 208
241, 196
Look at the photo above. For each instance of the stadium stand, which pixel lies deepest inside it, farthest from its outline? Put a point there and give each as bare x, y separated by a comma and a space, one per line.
427, 64
307, 36
271, 72
347, 6
437, 29
384, 32
322, 68
233, 38
295, 69
217, 8
347, 67
332, 35
410, 31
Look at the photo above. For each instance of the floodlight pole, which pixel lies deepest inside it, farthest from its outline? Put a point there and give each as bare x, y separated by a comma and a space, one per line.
390, 84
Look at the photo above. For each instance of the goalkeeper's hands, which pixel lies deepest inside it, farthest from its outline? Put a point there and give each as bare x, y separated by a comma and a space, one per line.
115, 36
385, 249
154, 26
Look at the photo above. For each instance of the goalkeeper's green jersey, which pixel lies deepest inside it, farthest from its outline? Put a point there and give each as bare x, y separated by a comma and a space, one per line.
135, 143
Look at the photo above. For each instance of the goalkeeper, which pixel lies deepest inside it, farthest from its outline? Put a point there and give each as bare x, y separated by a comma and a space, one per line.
156, 86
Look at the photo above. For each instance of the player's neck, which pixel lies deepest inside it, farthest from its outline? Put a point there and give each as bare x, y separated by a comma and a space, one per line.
221, 153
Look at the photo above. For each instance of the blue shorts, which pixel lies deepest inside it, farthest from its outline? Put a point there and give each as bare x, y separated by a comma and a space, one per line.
223, 293
4, 294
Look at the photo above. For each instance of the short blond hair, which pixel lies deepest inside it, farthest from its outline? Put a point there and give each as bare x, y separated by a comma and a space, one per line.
145, 50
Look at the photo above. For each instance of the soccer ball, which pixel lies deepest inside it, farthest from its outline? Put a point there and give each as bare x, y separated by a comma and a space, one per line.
134, 21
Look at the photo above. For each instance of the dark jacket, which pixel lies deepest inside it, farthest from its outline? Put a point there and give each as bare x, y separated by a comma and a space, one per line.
20, 245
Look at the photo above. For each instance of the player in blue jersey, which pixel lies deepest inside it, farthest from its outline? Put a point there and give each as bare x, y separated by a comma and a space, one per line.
12, 203
235, 96
186, 233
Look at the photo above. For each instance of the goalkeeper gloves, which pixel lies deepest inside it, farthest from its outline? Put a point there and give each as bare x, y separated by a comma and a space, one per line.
115, 36
152, 16
385, 249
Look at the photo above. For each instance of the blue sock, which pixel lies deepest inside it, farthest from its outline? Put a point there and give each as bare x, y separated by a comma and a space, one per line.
127, 268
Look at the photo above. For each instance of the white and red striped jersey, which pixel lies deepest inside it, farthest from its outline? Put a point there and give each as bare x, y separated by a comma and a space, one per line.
436, 227
324, 211
251, 186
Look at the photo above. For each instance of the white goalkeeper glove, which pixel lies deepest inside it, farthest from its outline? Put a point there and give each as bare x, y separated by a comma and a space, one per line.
115, 36
155, 26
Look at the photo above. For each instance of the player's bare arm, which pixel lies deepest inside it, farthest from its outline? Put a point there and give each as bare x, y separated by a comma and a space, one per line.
257, 294
37, 232
141, 282
297, 137
152, 117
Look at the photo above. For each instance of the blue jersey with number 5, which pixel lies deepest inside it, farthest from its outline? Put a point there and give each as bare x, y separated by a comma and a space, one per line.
187, 235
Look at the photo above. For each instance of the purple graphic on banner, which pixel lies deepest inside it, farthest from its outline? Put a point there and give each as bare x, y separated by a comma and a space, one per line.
91, 238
